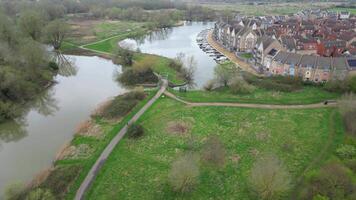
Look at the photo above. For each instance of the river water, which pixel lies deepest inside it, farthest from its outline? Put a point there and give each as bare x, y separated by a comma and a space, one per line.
29, 145
172, 41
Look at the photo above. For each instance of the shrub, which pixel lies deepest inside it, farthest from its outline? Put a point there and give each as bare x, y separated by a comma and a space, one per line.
138, 74
40, 194
209, 86
184, 174
174, 64
339, 86
239, 86
278, 83
135, 131
352, 84
122, 104
332, 181
60, 179
347, 107
346, 151
214, 152
269, 179
122, 56
14, 191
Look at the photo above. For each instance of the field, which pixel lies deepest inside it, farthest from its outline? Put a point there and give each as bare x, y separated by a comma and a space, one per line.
137, 169
267, 9
337, 9
307, 95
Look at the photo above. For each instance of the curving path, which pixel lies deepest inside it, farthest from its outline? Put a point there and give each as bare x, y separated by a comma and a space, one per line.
246, 105
107, 151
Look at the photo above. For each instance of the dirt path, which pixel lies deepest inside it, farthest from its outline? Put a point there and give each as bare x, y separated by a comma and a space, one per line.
245, 66
246, 105
107, 151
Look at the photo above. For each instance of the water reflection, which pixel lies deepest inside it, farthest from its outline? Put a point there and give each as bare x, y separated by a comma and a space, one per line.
12, 131
66, 66
161, 34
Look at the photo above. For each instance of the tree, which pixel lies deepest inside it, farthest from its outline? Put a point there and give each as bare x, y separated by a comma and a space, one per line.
188, 71
239, 86
31, 22
123, 56
56, 31
214, 152
40, 194
268, 178
135, 131
224, 73
184, 174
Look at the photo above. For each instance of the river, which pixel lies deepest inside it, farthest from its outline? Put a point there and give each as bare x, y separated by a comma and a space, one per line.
172, 41
29, 145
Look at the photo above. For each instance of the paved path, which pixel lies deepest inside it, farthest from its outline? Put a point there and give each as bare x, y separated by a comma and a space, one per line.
105, 154
232, 57
246, 105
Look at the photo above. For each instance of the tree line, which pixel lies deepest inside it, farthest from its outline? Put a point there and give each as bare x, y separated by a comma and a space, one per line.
26, 66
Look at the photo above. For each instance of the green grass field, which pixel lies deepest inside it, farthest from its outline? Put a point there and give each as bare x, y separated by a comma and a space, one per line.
351, 10
137, 169
307, 95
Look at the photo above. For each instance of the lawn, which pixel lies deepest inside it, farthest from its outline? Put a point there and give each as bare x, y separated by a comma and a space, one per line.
336, 9
137, 169
307, 95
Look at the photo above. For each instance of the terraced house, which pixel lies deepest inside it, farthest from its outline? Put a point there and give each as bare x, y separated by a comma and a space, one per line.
317, 48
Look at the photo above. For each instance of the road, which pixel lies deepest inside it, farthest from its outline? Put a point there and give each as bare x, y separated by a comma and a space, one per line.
105, 154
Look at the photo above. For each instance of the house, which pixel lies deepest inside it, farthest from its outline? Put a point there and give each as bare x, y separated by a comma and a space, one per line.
265, 45
291, 64
247, 39
339, 68
323, 69
277, 65
331, 48
344, 15
306, 67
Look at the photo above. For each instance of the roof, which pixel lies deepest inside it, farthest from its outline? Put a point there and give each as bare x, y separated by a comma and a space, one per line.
352, 63
293, 59
340, 63
281, 57
324, 63
308, 61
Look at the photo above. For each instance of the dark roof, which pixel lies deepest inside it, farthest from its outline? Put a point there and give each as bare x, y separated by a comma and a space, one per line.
293, 59
281, 57
340, 63
308, 61
352, 63
324, 63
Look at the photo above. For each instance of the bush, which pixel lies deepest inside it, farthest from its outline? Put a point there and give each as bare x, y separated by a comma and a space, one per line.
60, 180
239, 86
184, 174
123, 104
346, 151
339, 86
269, 179
347, 107
135, 131
214, 152
209, 86
14, 191
175, 65
140, 73
122, 56
40, 194
277, 83
352, 84
332, 181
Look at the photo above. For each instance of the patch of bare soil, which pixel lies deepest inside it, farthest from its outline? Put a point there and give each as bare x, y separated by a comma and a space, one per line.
40, 178
90, 129
101, 108
178, 128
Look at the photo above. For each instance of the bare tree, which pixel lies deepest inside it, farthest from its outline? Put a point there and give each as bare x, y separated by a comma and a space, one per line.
184, 174
347, 107
269, 179
224, 73
56, 31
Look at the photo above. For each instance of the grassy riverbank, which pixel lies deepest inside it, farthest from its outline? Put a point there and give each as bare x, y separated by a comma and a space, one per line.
138, 169
106, 38
307, 95
69, 171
